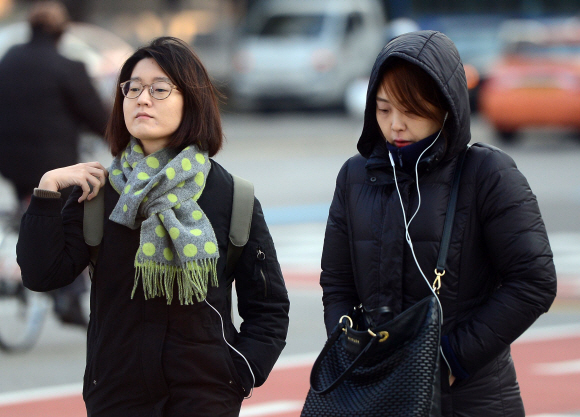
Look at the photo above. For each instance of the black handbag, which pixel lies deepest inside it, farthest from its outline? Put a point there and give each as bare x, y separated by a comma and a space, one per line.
390, 368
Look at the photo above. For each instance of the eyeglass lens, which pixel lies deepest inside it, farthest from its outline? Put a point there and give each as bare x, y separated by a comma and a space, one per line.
159, 90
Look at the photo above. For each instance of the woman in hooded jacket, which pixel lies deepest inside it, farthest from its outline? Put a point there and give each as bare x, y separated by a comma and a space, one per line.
500, 275
161, 341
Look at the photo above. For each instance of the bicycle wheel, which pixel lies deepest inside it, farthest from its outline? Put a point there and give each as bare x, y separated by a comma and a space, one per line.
22, 312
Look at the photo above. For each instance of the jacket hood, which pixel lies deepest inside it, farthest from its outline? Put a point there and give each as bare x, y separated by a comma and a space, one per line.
436, 54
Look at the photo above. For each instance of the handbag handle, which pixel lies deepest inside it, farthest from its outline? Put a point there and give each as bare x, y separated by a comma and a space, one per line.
333, 338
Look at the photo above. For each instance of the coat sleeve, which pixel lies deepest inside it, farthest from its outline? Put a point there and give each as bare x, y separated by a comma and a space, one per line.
339, 293
517, 243
51, 250
263, 302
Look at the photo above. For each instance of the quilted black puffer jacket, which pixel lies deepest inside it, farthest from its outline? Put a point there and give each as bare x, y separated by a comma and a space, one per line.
500, 275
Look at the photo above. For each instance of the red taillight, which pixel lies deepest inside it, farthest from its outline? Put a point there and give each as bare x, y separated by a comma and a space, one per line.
472, 76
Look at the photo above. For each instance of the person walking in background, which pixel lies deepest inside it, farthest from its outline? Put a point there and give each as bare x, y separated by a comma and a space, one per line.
386, 222
47, 100
161, 341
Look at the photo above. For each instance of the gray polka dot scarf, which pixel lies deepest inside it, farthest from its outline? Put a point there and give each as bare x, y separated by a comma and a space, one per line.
159, 194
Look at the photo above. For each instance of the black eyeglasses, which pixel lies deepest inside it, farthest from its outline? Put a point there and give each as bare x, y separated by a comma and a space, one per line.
159, 90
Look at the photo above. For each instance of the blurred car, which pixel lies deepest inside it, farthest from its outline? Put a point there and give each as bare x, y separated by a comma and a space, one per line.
305, 51
479, 45
537, 83
102, 52
356, 92
476, 40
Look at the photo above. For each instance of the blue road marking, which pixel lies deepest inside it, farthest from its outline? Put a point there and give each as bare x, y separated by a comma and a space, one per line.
309, 213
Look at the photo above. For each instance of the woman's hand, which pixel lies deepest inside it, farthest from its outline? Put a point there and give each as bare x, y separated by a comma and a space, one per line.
85, 175
451, 379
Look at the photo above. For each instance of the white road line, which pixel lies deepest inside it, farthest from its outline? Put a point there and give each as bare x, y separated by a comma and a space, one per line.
306, 360
558, 368
271, 408
296, 361
554, 415
561, 331
39, 394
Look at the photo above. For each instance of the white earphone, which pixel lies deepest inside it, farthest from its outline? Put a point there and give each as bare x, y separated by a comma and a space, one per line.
407, 224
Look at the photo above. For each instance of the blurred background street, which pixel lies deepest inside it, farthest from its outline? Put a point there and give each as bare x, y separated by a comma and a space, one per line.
295, 85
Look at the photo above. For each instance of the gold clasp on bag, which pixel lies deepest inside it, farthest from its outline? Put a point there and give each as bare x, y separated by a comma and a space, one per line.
349, 320
384, 335
437, 282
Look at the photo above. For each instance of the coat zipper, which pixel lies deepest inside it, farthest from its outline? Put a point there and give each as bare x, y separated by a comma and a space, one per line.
261, 257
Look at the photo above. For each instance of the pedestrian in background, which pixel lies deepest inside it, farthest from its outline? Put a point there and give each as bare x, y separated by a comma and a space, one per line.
47, 100
161, 341
386, 222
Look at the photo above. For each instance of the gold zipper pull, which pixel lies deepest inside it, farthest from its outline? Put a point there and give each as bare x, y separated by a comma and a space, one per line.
437, 283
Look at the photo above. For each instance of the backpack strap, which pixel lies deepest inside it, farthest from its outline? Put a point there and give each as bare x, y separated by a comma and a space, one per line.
94, 213
240, 224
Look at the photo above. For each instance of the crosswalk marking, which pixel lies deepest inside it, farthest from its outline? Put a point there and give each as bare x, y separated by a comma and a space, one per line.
299, 246
558, 368
271, 408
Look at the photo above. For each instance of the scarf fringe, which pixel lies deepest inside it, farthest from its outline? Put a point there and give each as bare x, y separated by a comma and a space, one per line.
192, 279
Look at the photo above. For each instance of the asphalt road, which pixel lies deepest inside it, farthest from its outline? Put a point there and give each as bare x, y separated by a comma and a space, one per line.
293, 160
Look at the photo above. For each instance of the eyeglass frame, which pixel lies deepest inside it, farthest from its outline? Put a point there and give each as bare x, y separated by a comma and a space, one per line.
173, 87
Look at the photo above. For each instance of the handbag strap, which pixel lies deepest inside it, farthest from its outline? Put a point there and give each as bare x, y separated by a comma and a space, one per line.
440, 271
448, 225
333, 338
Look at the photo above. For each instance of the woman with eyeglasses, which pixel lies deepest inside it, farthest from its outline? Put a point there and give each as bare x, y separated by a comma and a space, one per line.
161, 340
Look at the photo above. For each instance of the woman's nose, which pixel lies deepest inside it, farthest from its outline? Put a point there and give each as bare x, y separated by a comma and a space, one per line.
397, 122
145, 97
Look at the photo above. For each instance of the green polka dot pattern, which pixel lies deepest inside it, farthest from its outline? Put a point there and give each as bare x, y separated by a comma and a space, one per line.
168, 254
190, 250
152, 162
209, 247
149, 249
174, 233
177, 239
160, 231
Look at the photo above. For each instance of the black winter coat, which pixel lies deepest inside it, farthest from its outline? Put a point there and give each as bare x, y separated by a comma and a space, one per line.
147, 358
46, 100
500, 275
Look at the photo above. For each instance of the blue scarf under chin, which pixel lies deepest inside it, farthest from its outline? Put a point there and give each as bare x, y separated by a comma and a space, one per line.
406, 157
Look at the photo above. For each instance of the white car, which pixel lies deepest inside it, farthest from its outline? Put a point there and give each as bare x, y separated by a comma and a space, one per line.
305, 51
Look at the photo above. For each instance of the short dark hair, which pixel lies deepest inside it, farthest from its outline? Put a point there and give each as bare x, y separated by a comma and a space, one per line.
200, 124
48, 17
411, 87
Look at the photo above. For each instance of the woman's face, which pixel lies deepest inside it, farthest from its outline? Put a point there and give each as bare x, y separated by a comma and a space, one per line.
401, 127
152, 121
